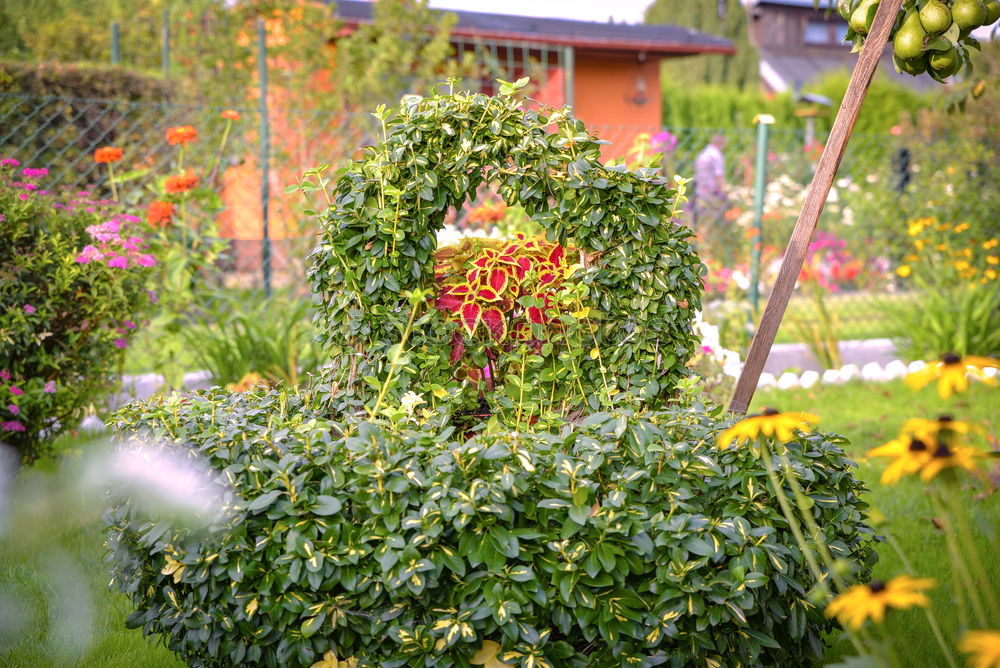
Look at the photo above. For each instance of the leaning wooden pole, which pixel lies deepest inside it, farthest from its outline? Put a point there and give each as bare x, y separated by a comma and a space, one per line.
826, 171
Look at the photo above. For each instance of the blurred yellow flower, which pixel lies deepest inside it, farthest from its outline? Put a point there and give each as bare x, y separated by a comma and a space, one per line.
992, 243
945, 457
915, 228
904, 270
919, 244
962, 227
962, 265
908, 453
247, 382
330, 660
992, 259
870, 601
767, 423
984, 648
952, 373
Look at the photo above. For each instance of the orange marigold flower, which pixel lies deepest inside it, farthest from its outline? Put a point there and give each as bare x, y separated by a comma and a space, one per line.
180, 183
183, 134
159, 213
231, 115
107, 154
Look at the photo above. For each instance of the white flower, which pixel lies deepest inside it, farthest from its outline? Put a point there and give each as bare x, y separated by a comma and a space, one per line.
410, 401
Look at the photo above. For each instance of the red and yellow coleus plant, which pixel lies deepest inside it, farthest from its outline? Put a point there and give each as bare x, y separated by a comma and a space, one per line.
482, 280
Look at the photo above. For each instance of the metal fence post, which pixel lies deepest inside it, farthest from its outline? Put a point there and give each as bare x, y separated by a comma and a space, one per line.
165, 47
265, 150
568, 83
116, 43
763, 123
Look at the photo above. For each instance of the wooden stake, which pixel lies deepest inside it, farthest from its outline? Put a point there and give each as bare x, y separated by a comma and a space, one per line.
826, 171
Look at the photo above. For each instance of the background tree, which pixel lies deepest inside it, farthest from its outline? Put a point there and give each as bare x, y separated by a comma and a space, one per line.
726, 18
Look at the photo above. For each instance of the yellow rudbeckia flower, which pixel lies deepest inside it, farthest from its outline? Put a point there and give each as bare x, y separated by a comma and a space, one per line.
984, 648
952, 373
946, 457
770, 422
909, 454
869, 601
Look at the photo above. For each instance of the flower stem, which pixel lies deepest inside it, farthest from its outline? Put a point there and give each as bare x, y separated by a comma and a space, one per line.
956, 557
965, 536
392, 366
932, 619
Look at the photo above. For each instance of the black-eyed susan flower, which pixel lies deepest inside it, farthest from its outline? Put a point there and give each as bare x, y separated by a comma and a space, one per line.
983, 648
869, 601
952, 373
770, 422
909, 454
950, 456
944, 429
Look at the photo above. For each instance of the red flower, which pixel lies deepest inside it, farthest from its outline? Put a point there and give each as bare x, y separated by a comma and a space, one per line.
107, 154
183, 134
230, 115
180, 183
159, 213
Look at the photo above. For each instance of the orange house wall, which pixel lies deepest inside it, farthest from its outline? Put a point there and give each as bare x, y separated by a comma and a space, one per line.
604, 90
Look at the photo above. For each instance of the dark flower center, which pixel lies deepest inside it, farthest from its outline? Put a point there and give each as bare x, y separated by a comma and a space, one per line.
770, 411
916, 445
942, 451
877, 586
946, 418
951, 358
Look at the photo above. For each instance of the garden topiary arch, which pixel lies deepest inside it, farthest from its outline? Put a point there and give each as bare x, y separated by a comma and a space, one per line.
379, 237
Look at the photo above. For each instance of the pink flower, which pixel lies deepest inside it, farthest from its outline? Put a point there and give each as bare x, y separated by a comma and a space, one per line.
16, 391
30, 173
4, 374
120, 343
50, 387
152, 295
29, 309
664, 141
119, 262
895, 130
9, 162
13, 409
129, 324
23, 197
707, 350
12, 425
146, 261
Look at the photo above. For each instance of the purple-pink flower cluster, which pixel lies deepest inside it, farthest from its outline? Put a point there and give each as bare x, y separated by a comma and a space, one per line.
114, 247
15, 391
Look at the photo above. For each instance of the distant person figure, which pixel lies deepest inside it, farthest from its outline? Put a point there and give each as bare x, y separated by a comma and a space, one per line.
709, 183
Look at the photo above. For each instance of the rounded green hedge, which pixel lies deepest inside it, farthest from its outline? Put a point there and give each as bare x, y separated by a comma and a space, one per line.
629, 538
435, 153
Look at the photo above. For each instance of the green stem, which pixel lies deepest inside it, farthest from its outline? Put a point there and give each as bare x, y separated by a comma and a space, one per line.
392, 366
956, 557
111, 178
960, 513
932, 619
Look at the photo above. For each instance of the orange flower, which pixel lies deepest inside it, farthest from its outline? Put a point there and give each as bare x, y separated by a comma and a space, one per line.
107, 154
183, 134
231, 115
180, 183
159, 213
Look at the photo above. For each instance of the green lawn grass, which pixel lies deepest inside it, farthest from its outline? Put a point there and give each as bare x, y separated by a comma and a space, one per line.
56, 609
870, 414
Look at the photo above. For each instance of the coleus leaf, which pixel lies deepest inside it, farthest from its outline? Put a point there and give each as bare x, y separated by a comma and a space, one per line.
449, 302
498, 279
556, 255
457, 347
535, 315
520, 331
487, 294
496, 323
523, 267
547, 278
473, 275
470, 314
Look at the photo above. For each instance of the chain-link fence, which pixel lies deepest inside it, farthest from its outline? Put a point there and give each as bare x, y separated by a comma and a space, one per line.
848, 289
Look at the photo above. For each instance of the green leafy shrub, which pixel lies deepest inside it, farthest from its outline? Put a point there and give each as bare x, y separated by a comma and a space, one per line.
72, 290
629, 538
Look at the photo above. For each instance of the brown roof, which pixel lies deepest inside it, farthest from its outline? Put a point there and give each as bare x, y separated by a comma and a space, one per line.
584, 35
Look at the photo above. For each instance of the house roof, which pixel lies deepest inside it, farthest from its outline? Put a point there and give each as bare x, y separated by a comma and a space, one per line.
809, 4
590, 35
782, 71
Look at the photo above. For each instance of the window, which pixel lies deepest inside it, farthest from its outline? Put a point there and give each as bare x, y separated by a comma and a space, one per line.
823, 32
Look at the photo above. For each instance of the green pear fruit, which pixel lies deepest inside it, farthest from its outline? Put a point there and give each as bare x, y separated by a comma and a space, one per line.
859, 18
909, 40
968, 14
912, 67
935, 17
944, 63
992, 12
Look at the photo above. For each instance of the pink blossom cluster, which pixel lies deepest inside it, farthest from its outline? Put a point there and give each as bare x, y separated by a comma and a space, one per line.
664, 141
113, 247
829, 264
10, 393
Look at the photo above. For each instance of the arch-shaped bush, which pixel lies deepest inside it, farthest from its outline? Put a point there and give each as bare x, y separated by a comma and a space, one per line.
379, 237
